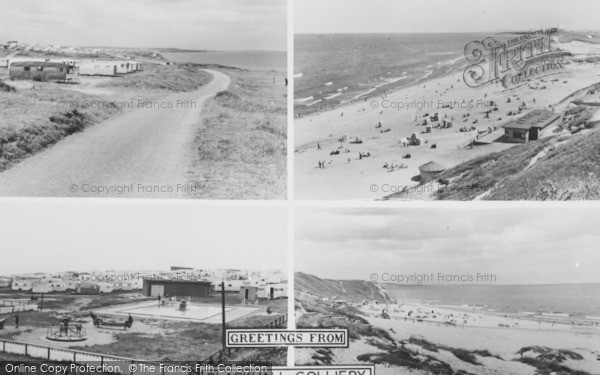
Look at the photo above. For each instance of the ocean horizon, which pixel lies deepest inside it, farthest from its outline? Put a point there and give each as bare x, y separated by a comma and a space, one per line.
335, 69
250, 60
578, 300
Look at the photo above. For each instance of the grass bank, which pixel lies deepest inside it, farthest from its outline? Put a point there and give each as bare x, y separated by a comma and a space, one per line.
36, 115
240, 146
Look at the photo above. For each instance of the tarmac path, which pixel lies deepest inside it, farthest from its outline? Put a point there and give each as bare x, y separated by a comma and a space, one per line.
144, 153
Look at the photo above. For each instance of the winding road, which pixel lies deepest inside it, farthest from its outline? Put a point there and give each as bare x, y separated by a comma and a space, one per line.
144, 153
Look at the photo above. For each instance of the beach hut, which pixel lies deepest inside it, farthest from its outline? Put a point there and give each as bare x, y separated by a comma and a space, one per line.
98, 68
38, 71
430, 171
528, 127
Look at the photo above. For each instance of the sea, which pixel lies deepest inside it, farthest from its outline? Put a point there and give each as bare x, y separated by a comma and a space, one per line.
334, 69
250, 60
579, 300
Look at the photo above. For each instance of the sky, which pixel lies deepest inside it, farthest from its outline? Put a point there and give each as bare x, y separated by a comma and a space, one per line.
186, 24
423, 16
518, 246
41, 236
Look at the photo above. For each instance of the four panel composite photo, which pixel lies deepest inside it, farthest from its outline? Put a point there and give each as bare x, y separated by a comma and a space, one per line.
280, 187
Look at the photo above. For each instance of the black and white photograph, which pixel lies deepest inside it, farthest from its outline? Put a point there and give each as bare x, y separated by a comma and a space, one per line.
446, 100
143, 99
139, 283
299, 187
452, 291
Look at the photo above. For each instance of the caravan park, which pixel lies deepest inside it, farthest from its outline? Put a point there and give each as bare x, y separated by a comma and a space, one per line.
172, 315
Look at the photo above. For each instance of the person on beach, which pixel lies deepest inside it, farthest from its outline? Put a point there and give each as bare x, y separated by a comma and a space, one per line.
318, 146
16, 320
159, 300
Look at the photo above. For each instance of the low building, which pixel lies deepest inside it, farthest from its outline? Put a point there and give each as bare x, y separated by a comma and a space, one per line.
179, 288
430, 171
42, 71
528, 127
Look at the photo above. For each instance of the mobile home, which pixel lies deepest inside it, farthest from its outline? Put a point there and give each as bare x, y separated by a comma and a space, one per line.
124, 285
230, 285
88, 288
41, 287
98, 68
22, 285
123, 67
105, 288
272, 291
72, 284
38, 71
4, 282
248, 294
58, 285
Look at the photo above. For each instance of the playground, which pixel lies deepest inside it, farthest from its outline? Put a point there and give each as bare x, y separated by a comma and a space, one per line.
193, 312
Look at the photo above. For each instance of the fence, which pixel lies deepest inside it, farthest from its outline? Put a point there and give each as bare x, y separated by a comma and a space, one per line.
280, 322
125, 365
11, 307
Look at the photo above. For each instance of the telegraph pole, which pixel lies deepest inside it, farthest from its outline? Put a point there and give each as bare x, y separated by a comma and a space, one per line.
224, 338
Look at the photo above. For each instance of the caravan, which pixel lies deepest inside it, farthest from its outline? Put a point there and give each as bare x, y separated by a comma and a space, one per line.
41, 287
22, 285
272, 291
124, 285
98, 68
105, 288
57, 285
72, 285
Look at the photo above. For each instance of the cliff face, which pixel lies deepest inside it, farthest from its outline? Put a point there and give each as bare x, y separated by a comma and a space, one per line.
349, 290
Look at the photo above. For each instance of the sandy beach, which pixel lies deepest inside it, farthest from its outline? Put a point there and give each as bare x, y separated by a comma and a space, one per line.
506, 338
377, 125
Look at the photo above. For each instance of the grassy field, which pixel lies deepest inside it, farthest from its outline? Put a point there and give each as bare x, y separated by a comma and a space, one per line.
241, 143
179, 341
173, 78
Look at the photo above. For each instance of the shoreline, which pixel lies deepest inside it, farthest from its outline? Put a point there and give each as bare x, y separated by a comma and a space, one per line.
375, 92
392, 166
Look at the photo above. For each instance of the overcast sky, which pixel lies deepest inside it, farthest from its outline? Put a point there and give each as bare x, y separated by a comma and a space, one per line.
191, 24
519, 246
80, 235
425, 16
